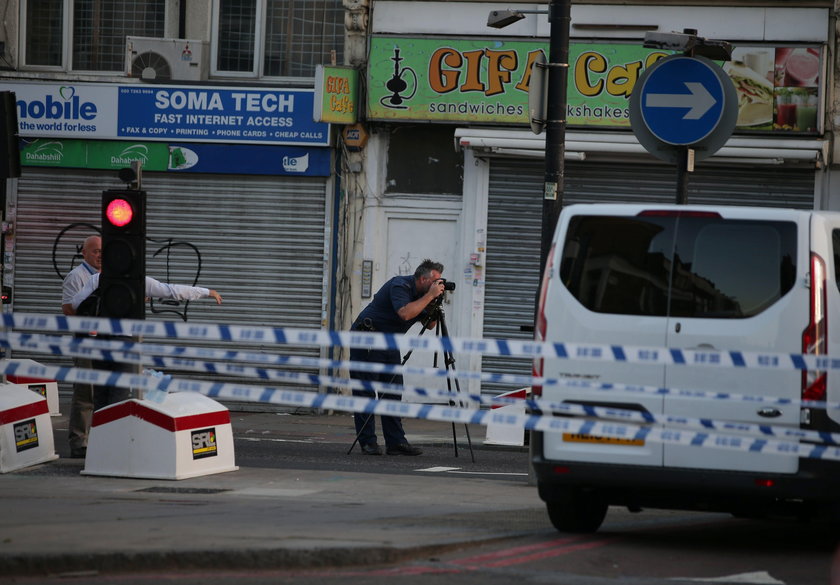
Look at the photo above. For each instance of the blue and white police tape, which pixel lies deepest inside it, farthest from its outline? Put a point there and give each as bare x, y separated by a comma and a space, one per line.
498, 347
462, 399
97, 347
430, 412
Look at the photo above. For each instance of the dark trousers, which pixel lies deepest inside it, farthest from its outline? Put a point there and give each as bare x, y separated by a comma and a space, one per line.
106, 395
81, 409
392, 429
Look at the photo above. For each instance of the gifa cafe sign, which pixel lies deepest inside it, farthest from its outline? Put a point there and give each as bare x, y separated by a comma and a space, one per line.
336, 94
487, 81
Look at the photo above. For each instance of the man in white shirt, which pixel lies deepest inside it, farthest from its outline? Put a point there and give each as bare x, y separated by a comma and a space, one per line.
154, 288
105, 395
81, 403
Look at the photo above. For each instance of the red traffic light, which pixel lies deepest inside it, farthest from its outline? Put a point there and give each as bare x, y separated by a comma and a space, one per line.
119, 212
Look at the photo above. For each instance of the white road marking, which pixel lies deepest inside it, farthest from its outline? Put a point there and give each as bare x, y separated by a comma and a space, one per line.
458, 471
258, 439
754, 578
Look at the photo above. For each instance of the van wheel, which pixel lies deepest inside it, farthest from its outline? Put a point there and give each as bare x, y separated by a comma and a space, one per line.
576, 511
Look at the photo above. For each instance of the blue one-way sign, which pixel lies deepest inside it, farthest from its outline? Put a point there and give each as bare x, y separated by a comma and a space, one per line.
683, 101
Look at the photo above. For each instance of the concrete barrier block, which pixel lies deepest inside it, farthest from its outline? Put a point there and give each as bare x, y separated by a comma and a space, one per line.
498, 434
26, 435
185, 435
47, 388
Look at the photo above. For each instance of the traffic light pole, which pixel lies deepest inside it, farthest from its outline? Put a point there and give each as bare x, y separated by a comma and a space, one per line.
559, 18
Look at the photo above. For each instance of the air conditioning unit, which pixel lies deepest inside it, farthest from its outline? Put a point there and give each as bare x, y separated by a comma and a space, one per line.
165, 59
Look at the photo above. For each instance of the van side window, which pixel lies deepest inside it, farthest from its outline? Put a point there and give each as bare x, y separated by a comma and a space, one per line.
619, 264
731, 269
835, 244
685, 266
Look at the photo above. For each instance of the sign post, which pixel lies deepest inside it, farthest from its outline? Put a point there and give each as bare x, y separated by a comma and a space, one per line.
683, 108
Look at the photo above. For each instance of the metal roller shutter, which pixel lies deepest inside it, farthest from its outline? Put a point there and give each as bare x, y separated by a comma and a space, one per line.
261, 242
514, 218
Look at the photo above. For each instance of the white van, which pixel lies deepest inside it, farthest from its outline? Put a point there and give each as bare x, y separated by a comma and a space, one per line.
690, 277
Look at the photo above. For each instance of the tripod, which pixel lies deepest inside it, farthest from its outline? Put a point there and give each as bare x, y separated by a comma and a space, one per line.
449, 363
435, 313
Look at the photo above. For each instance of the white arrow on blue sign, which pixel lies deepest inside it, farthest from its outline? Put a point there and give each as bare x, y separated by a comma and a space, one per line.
682, 100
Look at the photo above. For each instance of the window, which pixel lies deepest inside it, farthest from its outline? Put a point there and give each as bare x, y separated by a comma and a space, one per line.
421, 160
688, 267
277, 38
44, 39
86, 35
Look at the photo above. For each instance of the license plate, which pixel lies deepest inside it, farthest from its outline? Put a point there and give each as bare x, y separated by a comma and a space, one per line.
582, 438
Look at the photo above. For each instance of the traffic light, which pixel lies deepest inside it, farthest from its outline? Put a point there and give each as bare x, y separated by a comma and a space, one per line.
122, 283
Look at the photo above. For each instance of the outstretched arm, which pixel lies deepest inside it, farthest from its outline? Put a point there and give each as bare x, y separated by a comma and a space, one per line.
155, 288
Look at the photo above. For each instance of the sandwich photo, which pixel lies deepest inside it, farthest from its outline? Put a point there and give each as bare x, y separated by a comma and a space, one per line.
755, 95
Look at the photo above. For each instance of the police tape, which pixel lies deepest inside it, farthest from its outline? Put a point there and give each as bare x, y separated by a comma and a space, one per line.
108, 350
635, 434
466, 398
98, 347
357, 339
89, 347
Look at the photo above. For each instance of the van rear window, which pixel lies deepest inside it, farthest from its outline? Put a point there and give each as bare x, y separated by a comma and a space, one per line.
706, 267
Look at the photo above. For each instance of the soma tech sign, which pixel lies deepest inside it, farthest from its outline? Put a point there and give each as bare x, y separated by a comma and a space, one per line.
194, 113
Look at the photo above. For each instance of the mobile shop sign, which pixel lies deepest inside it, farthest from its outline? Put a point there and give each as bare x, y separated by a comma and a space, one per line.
487, 80
194, 113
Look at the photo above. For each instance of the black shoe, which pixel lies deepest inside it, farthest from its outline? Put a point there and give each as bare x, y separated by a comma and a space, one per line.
371, 449
79, 453
403, 449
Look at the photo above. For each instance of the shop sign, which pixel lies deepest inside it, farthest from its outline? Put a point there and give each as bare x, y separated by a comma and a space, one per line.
778, 88
487, 81
253, 115
336, 94
177, 157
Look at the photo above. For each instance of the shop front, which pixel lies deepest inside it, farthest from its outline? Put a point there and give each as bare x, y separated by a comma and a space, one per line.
478, 85
239, 200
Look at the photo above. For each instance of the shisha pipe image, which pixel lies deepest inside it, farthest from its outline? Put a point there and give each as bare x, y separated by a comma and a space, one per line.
397, 85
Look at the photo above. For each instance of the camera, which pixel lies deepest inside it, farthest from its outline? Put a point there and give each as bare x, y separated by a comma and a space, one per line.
447, 285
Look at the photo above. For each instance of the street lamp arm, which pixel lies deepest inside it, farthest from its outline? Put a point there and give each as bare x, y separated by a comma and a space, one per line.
503, 18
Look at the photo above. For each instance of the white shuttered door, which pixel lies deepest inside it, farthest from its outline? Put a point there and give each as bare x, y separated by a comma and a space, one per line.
260, 243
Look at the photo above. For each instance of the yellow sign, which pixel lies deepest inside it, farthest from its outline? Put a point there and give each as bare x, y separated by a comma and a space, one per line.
336, 95
355, 136
582, 438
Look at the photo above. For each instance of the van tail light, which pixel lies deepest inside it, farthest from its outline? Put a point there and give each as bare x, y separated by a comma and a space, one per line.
540, 329
815, 335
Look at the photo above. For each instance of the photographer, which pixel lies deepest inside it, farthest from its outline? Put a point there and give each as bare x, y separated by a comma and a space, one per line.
395, 307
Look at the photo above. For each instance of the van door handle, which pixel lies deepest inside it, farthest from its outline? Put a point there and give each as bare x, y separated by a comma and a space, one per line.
769, 412
704, 346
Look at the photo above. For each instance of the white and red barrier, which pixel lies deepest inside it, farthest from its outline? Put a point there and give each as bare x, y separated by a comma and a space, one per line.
26, 435
502, 434
185, 435
43, 386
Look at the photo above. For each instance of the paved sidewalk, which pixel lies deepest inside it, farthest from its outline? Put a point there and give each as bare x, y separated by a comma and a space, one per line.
57, 521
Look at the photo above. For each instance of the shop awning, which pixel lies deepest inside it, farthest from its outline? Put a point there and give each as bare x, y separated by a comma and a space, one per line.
583, 145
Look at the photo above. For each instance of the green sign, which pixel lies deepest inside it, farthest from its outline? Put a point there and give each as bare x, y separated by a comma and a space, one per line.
487, 81
479, 80
84, 154
336, 94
